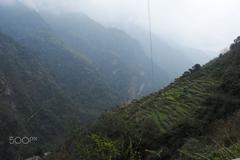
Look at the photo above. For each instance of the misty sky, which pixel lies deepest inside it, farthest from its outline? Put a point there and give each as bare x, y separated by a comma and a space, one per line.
204, 24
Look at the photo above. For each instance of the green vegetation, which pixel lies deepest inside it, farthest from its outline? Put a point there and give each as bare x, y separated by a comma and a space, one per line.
85, 143
47, 89
118, 57
196, 117
32, 103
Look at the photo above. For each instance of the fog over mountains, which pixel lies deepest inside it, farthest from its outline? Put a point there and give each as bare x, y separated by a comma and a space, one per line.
183, 22
80, 77
112, 14
81, 69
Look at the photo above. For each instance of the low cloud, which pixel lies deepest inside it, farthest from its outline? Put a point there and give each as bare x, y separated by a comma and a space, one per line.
7, 2
205, 24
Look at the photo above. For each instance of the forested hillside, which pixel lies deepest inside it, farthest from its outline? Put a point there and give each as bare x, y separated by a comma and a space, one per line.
196, 117
79, 79
32, 103
48, 88
45, 88
79, 89
118, 57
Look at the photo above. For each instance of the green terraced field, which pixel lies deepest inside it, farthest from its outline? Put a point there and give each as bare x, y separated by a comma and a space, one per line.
195, 117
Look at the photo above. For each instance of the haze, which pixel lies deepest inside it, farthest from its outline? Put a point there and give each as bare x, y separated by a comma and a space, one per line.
202, 24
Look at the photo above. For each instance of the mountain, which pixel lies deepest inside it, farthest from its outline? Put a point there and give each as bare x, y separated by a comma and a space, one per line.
120, 58
196, 117
32, 103
171, 57
79, 79
48, 87
45, 87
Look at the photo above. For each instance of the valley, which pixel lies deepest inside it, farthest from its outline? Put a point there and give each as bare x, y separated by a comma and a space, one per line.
73, 88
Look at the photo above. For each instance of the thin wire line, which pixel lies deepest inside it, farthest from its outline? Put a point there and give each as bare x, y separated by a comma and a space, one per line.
150, 39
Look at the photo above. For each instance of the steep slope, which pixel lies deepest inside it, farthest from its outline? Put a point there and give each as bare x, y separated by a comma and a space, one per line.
32, 103
77, 76
195, 117
118, 57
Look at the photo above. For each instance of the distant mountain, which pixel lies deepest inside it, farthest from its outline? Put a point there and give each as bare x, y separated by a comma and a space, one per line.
171, 57
120, 58
196, 117
79, 79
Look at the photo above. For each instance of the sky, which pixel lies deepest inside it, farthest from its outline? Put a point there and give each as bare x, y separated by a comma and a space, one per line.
202, 24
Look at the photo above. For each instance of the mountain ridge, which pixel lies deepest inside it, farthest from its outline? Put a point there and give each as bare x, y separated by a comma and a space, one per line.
116, 54
193, 118
65, 65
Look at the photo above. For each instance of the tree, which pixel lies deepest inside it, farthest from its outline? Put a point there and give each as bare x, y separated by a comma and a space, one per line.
237, 40
91, 146
236, 43
196, 67
186, 73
